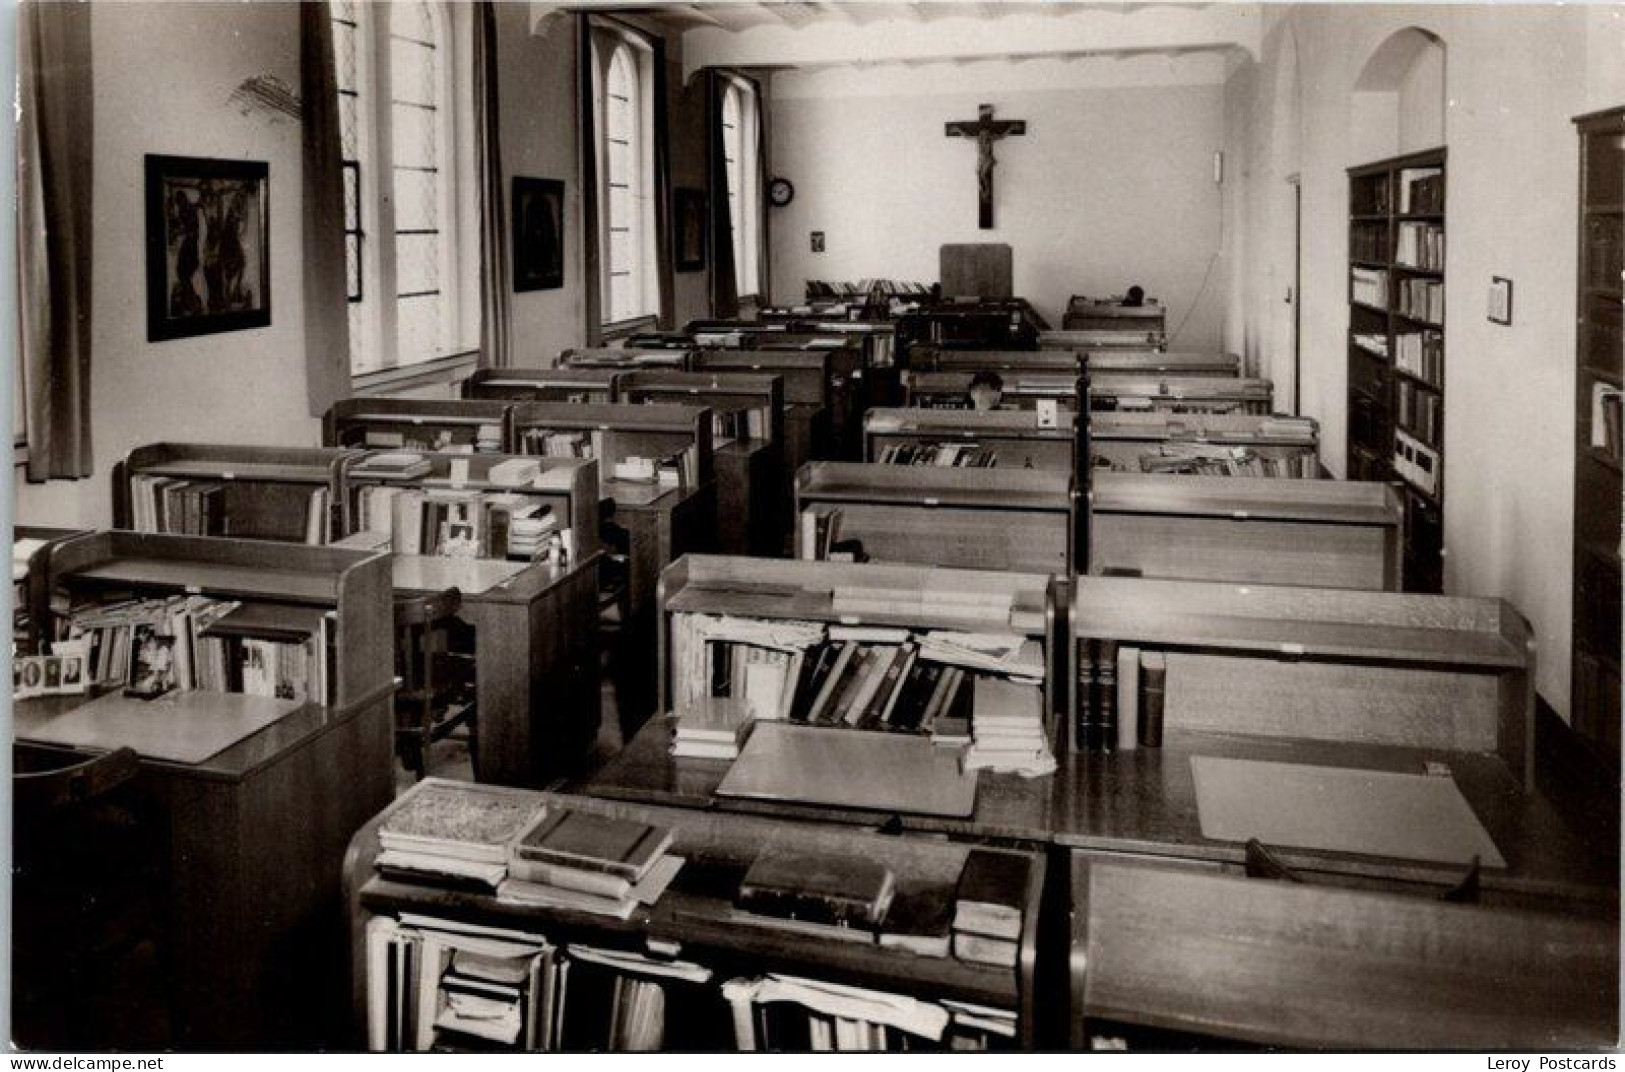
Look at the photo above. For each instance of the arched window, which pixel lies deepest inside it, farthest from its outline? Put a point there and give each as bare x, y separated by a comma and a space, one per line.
630, 286
741, 153
405, 115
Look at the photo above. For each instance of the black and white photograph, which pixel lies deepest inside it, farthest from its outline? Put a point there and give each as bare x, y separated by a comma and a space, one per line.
780, 527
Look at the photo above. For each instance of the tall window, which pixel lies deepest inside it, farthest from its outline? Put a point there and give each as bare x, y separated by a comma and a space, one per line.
630, 286
406, 128
741, 150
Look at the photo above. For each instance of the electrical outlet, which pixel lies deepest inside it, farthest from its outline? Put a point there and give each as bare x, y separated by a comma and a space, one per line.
818, 241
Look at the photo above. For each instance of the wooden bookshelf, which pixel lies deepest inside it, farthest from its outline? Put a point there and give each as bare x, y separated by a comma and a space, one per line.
1022, 390
1014, 436
1113, 315
31, 593
1250, 530
752, 489
1378, 668
580, 385
810, 409
1059, 361
632, 357
1594, 699
1396, 346
988, 323
266, 493
1121, 438
1098, 339
417, 424
248, 933
1169, 955
1153, 362
696, 915
1180, 394
1020, 520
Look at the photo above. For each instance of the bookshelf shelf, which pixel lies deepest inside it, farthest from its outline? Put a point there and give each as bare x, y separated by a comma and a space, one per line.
1399, 205
1594, 699
478, 425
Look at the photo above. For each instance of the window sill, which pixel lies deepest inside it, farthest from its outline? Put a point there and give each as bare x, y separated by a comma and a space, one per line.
447, 370
624, 328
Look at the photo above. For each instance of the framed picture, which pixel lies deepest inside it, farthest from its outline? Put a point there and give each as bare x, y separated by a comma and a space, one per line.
690, 232
538, 234
208, 246
1500, 303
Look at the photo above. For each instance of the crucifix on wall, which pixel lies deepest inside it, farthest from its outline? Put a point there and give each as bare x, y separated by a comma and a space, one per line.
986, 130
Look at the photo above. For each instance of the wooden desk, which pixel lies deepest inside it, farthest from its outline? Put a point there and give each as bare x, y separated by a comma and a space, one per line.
1163, 362
1329, 534
1014, 435
535, 636
1197, 952
995, 519
1124, 437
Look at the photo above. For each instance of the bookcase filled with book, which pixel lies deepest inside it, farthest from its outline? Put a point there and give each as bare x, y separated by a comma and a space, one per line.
935, 359
31, 584
747, 439
579, 385
1599, 449
1215, 444
251, 678
1006, 439
491, 506
421, 424
602, 925
1024, 520
1396, 345
1022, 390
286, 494
809, 394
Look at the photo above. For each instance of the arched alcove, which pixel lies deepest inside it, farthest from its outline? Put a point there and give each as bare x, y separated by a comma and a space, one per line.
1398, 104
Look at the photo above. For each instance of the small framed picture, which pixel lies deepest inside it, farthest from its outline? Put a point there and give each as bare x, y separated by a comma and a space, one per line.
208, 246
152, 664
1500, 304
690, 232
30, 677
538, 234
73, 674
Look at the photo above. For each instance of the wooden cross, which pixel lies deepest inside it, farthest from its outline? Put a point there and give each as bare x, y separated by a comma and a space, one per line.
986, 130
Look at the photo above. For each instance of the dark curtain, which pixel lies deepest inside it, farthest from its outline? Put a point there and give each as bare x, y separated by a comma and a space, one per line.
326, 282
724, 284
764, 167
54, 139
496, 280
662, 191
591, 267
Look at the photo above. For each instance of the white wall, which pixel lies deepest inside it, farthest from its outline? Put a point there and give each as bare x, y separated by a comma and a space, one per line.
1111, 185
1515, 76
163, 75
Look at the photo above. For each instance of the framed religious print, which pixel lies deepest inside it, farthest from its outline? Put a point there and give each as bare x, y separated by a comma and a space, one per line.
208, 246
538, 234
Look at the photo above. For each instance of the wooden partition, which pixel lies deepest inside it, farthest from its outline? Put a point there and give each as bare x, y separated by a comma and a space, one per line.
1013, 439
417, 424
1151, 361
1327, 533
1179, 394
809, 394
1121, 440
581, 385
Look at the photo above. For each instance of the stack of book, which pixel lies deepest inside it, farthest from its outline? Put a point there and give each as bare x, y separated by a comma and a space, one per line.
948, 455
1121, 697
1369, 286
483, 996
729, 425
535, 536
514, 473
392, 466
588, 862
713, 727
561, 444
488, 439
1205, 459
839, 892
988, 909
453, 834
1007, 728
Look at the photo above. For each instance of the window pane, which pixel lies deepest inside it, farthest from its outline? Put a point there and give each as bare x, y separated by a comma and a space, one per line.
411, 73
417, 329
417, 263
352, 266
413, 135
417, 200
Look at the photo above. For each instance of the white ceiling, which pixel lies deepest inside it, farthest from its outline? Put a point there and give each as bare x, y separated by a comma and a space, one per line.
780, 34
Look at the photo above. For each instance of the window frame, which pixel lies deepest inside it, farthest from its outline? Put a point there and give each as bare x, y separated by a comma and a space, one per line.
610, 43
742, 154
377, 322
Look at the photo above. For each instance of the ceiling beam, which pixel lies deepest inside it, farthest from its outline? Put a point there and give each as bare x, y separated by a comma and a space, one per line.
881, 33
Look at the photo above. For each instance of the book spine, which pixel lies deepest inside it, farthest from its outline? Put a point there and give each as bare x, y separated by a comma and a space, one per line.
1106, 715
1084, 707
1153, 692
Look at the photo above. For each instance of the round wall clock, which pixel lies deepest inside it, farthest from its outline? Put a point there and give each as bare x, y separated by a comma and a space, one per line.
781, 192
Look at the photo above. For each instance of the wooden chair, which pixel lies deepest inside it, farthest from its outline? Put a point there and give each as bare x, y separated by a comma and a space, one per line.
436, 696
89, 969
